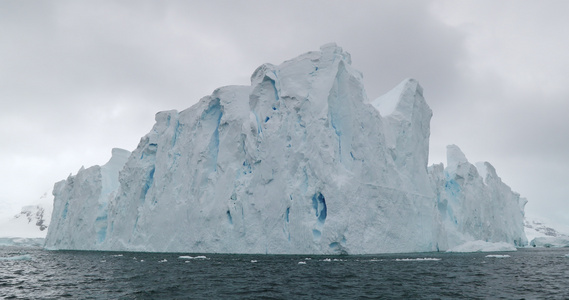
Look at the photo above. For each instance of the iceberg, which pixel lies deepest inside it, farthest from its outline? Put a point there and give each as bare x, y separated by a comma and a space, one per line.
299, 162
550, 241
81, 205
17, 257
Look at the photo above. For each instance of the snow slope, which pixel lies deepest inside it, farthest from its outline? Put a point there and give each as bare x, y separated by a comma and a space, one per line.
31, 223
298, 162
540, 234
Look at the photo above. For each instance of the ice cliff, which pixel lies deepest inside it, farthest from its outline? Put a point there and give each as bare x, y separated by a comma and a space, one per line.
298, 162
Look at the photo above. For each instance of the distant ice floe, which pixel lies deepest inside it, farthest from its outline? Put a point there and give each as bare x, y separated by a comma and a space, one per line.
22, 242
163, 261
482, 246
192, 257
335, 259
17, 257
302, 263
550, 242
418, 259
497, 256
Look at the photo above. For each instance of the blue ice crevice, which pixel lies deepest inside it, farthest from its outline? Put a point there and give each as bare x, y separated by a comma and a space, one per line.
287, 221
316, 234
176, 132
229, 218
452, 188
147, 184
339, 111
452, 192
211, 118
321, 212
259, 127
339, 246
319, 205
101, 224
273, 83
64, 214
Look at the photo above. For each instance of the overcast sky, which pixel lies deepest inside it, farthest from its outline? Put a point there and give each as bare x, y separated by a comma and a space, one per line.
78, 78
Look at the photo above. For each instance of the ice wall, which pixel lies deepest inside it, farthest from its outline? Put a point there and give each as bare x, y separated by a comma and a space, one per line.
80, 208
472, 207
298, 162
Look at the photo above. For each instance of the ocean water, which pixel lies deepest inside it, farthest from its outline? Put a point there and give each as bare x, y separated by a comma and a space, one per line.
32, 273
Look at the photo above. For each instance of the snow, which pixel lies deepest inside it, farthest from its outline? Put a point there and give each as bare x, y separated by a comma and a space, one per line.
192, 257
550, 241
482, 246
299, 162
541, 234
31, 222
387, 103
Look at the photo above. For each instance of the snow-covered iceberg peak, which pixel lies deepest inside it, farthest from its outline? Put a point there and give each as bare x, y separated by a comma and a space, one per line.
396, 101
298, 162
456, 159
407, 120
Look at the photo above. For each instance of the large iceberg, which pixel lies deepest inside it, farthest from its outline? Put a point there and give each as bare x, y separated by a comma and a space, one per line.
298, 162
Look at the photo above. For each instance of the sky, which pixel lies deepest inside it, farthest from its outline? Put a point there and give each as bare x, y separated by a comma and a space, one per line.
78, 78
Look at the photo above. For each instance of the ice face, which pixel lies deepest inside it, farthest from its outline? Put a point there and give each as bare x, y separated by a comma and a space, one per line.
475, 208
80, 210
298, 162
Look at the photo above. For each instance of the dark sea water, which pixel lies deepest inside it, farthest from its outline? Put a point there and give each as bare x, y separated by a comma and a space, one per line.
31, 273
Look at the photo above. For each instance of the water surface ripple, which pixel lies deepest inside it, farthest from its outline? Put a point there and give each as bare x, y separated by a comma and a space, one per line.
29, 273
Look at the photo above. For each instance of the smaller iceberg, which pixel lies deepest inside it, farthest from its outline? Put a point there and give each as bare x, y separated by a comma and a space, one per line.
550, 242
17, 257
482, 246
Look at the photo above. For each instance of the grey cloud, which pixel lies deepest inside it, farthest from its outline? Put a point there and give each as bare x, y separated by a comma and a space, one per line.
82, 77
